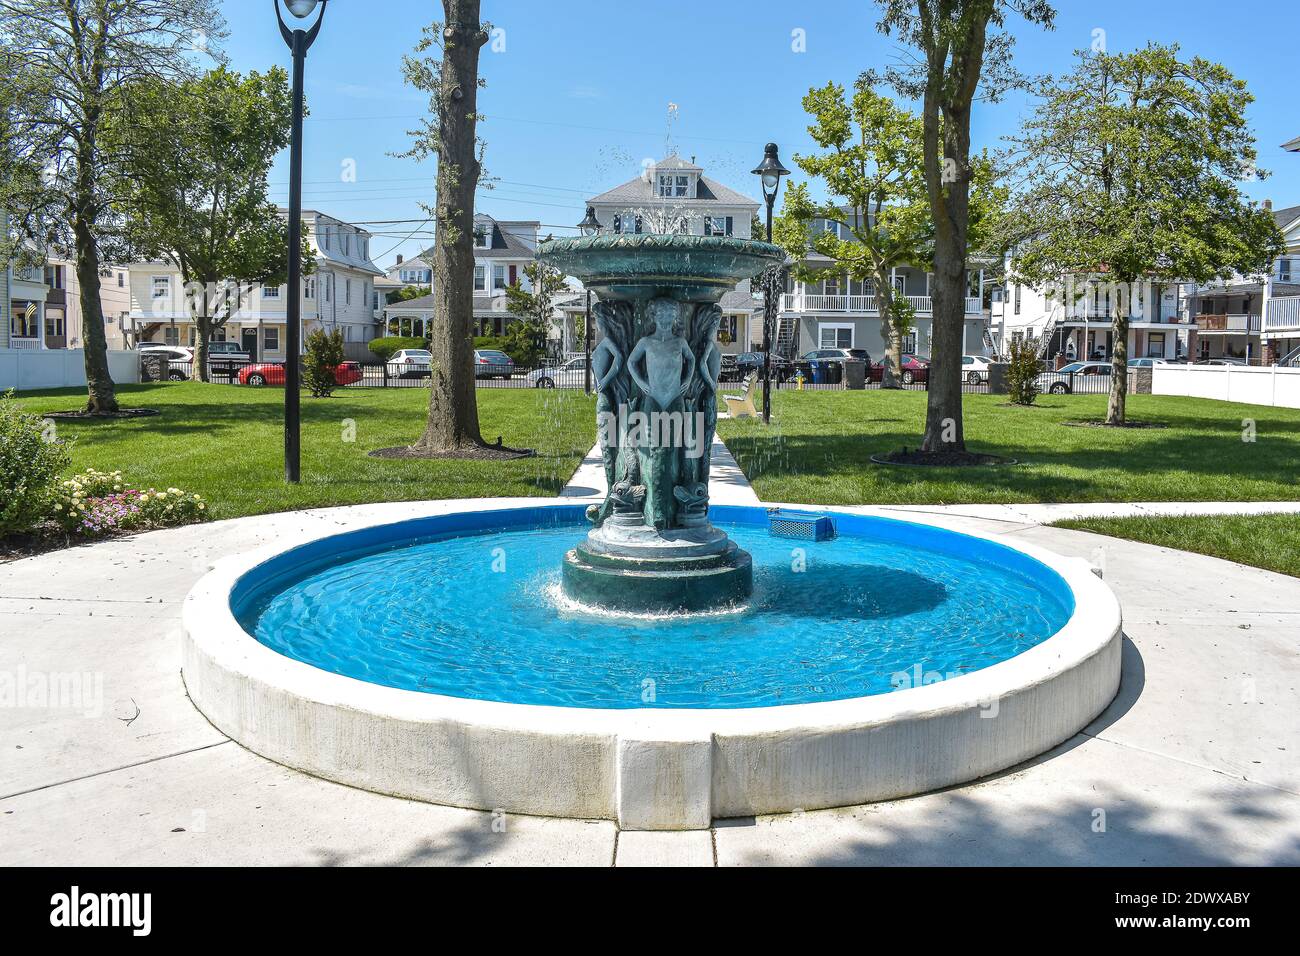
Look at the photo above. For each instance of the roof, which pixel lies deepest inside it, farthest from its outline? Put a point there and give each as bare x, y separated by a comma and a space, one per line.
1293, 146
676, 162
642, 190
1247, 288
1285, 217
734, 301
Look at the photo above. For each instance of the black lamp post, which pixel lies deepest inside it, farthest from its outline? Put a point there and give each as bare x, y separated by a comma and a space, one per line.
590, 226
770, 172
299, 42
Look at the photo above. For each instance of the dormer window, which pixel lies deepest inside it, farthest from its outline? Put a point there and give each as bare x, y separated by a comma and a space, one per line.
347, 243
674, 186
481, 237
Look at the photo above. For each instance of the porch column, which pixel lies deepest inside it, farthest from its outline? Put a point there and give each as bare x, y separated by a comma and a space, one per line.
40, 326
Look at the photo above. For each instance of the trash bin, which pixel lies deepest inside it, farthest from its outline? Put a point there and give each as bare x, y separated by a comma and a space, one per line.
855, 373
819, 373
834, 373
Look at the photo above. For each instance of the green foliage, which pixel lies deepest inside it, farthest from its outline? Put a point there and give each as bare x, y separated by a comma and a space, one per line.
408, 292
324, 355
533, 308
30, 461
1023, 369
871, 162
386, 347
1132, 166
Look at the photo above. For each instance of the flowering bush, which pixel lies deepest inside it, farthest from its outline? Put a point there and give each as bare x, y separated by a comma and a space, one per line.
31, 458
100, 502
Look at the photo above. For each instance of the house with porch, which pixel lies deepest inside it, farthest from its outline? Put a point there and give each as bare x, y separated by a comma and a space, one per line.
674, 196
338, 295
1280, 324
1072, 319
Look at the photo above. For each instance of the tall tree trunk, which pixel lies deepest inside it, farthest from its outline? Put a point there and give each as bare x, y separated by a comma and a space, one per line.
453, 406
893, 358
101, 393
1118, 365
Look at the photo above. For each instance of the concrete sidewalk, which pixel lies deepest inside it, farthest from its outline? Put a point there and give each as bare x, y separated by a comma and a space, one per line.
1196, 762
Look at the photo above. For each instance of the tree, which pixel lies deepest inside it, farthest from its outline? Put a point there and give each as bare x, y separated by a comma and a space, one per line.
873, 171
1132, 164
953, 37
81, 56
534, 308
407, 292
200, 151
452, 83
324, 355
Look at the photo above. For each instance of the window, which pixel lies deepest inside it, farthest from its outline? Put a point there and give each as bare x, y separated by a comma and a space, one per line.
481, 239
347, 291
162, 286
665, 185
717, 225
1156, 345
309, 289
480, 278
909, 343
271, 338
835, 336
121, 280
347, 243
831, 285
1284, 270
628, 222
1017, 305
171, 335
498, 277
270, 292
54, 325
329, 286
727, 329
682, 186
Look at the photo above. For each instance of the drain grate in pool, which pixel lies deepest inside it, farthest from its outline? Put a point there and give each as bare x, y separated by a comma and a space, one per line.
794, 524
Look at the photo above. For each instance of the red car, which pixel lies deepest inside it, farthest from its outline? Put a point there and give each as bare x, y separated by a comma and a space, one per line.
347, 373
914, 370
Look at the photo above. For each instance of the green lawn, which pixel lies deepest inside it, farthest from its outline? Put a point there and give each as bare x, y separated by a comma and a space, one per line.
1264, 541
225, 442
818, 447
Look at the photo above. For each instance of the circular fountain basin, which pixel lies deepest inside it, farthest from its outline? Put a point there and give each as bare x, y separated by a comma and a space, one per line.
438, 659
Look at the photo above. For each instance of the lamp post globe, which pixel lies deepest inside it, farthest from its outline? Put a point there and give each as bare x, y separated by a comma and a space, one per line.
301, 8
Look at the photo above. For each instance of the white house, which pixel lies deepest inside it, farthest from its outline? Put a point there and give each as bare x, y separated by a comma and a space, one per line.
502, 251
675, 196
1071, 319
339, 295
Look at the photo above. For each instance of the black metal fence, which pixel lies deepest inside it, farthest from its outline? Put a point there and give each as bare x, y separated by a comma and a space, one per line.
829, 377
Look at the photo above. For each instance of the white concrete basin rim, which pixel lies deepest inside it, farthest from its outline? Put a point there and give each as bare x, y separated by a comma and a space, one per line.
210, 625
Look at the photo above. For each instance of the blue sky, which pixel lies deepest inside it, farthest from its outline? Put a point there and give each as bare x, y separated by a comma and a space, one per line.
578, 90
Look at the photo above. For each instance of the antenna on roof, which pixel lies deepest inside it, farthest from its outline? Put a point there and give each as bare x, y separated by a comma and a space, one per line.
669, 148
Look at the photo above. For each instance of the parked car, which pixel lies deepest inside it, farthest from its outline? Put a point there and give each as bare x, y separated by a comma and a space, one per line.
570, 374
410, 363
268, 373
1147, 362
1242, 363
180, 358
747, 362
489, 363
1077, 376
836, 355
975, 368
914, 369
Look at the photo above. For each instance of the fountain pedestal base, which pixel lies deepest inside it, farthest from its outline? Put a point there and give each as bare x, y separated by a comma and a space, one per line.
648, 580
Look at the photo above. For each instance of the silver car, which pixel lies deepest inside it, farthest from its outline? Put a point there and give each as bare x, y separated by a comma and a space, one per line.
1092, 377
570, 374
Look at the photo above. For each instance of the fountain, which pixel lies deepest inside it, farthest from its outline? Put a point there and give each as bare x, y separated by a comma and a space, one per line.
467, 653
652, 547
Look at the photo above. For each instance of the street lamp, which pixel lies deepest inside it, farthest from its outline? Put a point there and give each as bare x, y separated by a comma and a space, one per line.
299, 42
590, 226
770, 172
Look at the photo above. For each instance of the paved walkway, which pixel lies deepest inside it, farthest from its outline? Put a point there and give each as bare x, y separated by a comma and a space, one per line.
1196, 762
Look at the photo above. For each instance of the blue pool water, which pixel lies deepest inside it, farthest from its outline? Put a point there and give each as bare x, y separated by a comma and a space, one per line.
445, 606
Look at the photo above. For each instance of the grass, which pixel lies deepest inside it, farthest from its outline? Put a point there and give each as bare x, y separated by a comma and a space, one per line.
1262, 541
226, 443
818, 450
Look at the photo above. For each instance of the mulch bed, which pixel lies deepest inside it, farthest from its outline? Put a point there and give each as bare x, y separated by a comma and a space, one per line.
475, 453
1098, 423
940, 459
81, 415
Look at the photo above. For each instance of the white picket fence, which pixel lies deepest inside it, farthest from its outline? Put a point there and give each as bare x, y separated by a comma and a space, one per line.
1230, 383
26, 369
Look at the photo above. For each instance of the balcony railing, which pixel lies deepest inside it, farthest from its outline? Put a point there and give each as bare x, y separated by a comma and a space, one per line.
1283, 313
861, 304
1219, 322
17, 343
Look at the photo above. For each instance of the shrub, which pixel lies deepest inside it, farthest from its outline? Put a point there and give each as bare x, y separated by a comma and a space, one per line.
386, 348
324, 355
100, 502
30, 462
1023, 370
